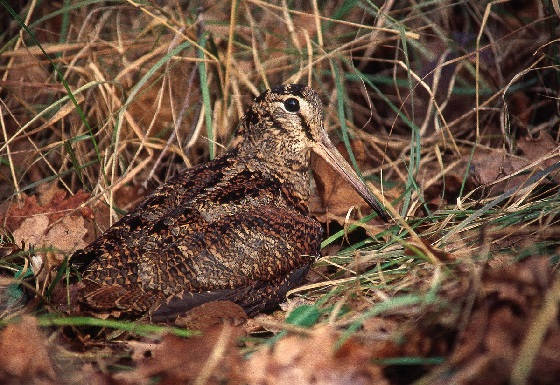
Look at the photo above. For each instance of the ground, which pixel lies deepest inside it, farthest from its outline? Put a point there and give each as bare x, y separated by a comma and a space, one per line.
449, 109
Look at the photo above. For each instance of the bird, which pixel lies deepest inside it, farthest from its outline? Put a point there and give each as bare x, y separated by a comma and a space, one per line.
236, 228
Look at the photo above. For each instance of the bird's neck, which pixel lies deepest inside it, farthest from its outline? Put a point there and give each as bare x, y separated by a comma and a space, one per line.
291, 168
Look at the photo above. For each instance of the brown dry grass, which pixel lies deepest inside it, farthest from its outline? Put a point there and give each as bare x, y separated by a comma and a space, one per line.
454, 105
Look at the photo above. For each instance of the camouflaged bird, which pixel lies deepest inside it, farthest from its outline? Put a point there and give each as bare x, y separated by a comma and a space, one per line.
236, 228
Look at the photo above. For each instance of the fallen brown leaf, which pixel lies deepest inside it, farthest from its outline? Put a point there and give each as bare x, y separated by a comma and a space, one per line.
337, 195
488, 167
67, 235
51, 200
313, 360
45, 221
64, 236
24, 358
489, 345
32, 230
536, 148
209, 359
17, 212
211, 315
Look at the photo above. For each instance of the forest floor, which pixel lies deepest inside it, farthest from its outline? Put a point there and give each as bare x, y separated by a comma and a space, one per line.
450, 109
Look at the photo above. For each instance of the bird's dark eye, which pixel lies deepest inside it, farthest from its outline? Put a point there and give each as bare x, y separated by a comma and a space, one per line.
291, 105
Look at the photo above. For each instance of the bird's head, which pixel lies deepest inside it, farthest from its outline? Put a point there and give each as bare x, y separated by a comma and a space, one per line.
285, 123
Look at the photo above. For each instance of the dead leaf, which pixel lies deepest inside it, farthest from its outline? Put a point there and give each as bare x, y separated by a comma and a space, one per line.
266, 322
50, 200
88, 374
46, 193
337, 195
23, 354
46, 221
67, 235
211, 358
17, 212
64, 236
62, 204
211, 315
313, 360
488, 167
536, 148
488, 347
32, 230
521, 107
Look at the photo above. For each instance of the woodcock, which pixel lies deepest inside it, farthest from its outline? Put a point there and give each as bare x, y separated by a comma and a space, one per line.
236, 228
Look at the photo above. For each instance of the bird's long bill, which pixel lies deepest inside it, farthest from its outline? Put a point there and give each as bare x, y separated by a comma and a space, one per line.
326, 150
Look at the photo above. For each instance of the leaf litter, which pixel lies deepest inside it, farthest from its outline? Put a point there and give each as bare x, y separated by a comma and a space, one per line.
485, 349
488, 314
480, 338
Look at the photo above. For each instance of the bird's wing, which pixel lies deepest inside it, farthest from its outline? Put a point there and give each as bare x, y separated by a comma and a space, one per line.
162, 203
252, 244
258, 297
251, 257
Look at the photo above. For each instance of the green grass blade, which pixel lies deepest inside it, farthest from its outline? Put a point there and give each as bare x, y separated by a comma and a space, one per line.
131, 327
206, 96
391, 304
407, 361
487, 207
342, 117
63, 269
75, 162
65, 21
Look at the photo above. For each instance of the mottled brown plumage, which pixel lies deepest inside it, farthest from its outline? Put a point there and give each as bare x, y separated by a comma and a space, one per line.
236, 228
